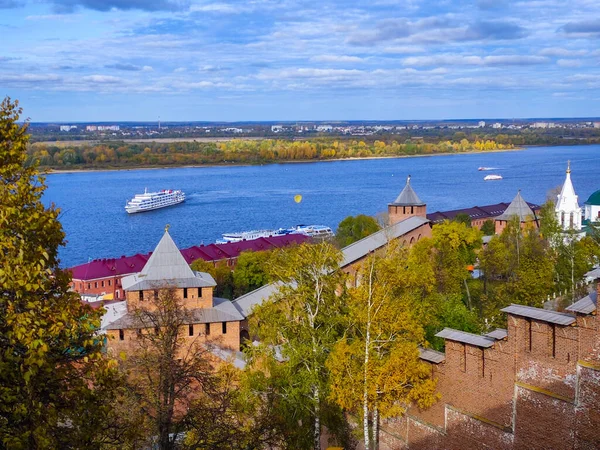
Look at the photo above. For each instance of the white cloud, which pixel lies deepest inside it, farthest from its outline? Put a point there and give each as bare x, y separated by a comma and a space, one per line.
102, 79
147, 69
569, 62
337, 59
471, 60
564, 52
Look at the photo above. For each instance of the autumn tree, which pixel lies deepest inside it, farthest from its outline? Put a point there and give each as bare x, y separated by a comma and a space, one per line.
353, 229
297, 328
186, 395
52, 371
375, 368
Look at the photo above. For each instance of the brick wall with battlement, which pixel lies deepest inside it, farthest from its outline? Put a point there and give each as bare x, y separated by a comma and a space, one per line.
534, 385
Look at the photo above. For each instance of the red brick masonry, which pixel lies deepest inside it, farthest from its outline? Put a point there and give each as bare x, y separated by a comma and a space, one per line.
537, 387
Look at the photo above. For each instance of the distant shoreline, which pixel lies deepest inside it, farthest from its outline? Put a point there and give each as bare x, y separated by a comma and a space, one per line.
195, 166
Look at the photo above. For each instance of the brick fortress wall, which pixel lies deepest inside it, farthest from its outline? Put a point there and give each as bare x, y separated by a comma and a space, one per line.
537, 387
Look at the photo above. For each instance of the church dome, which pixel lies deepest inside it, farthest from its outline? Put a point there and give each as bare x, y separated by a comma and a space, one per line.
594, 199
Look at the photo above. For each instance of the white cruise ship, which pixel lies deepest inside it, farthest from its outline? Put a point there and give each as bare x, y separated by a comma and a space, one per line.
154, 200
314, 231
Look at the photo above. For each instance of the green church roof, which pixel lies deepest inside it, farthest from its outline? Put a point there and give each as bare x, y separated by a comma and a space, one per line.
594, 199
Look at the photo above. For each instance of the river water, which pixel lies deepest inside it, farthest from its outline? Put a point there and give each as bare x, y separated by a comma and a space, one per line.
228, 199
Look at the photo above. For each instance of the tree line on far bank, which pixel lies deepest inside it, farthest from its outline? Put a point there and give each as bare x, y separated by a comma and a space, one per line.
127, 154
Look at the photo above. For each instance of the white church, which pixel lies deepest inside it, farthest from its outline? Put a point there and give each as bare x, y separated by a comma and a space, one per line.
568, 211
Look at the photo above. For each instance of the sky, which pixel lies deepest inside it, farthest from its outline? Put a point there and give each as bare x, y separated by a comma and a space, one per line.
269, 60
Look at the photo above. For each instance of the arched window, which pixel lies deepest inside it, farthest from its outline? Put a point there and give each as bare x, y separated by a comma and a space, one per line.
412, 239
562, 219
571, 218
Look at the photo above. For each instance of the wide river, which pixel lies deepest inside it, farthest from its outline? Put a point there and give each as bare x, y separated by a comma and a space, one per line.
227, 199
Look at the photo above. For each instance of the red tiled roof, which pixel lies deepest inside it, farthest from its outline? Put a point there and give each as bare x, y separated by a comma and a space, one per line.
110, 267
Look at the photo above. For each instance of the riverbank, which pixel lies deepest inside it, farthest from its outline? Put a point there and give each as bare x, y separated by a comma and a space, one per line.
116, 169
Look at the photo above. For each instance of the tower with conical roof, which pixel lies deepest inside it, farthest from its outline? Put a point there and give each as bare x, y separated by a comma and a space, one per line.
406, 205
167, 276
517, 208
568, 211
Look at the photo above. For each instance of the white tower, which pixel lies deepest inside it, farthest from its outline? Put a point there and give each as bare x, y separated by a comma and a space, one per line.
567, 208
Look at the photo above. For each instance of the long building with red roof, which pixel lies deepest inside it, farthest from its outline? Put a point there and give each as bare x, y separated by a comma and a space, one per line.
103, 276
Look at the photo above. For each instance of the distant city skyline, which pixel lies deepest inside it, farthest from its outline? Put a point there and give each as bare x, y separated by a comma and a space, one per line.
287, 60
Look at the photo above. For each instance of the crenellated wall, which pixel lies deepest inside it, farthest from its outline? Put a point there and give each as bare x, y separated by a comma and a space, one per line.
536, 386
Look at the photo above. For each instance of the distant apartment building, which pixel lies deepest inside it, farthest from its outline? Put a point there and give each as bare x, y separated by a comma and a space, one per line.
497, 125
91, 128
325, 128
543, 125
481, 123
68, 128
108, 127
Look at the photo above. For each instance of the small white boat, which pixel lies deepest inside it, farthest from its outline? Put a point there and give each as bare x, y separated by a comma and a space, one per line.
492, 177
154, 200
487, 168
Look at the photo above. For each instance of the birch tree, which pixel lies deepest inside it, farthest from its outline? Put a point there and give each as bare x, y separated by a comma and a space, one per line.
375, 368
297, 329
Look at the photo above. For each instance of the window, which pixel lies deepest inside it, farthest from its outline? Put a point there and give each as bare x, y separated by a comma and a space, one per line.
139, 332
141, 295
185, 294
199, 292
155, 330
191, 329
412, 209
102, 283
571, 220
95, 284
109, 282
562, 219
89, 285
155, 294
224, 327
121, 335
207, 329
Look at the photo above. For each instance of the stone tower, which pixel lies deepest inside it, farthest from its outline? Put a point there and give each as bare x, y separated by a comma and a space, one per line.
407, 204
568, 211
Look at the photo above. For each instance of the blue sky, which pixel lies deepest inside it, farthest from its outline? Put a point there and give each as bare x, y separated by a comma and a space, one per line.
109, 60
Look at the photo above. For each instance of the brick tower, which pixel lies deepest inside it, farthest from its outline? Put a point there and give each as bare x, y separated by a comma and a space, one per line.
408, 204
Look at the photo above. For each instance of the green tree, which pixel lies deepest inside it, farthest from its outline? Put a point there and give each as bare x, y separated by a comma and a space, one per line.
250, 271
375, 368
463, 218
222, 274
297, 329
488, 228
353, 229
52, 371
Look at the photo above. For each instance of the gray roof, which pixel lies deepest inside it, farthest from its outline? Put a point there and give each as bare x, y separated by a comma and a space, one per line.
166, 267
223, 310
430, 355
238, 359
518, 207
361, 248
466, 338
542, 315
594, 273
408, 197
498, 334
352, 253
587, 305
246, 302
